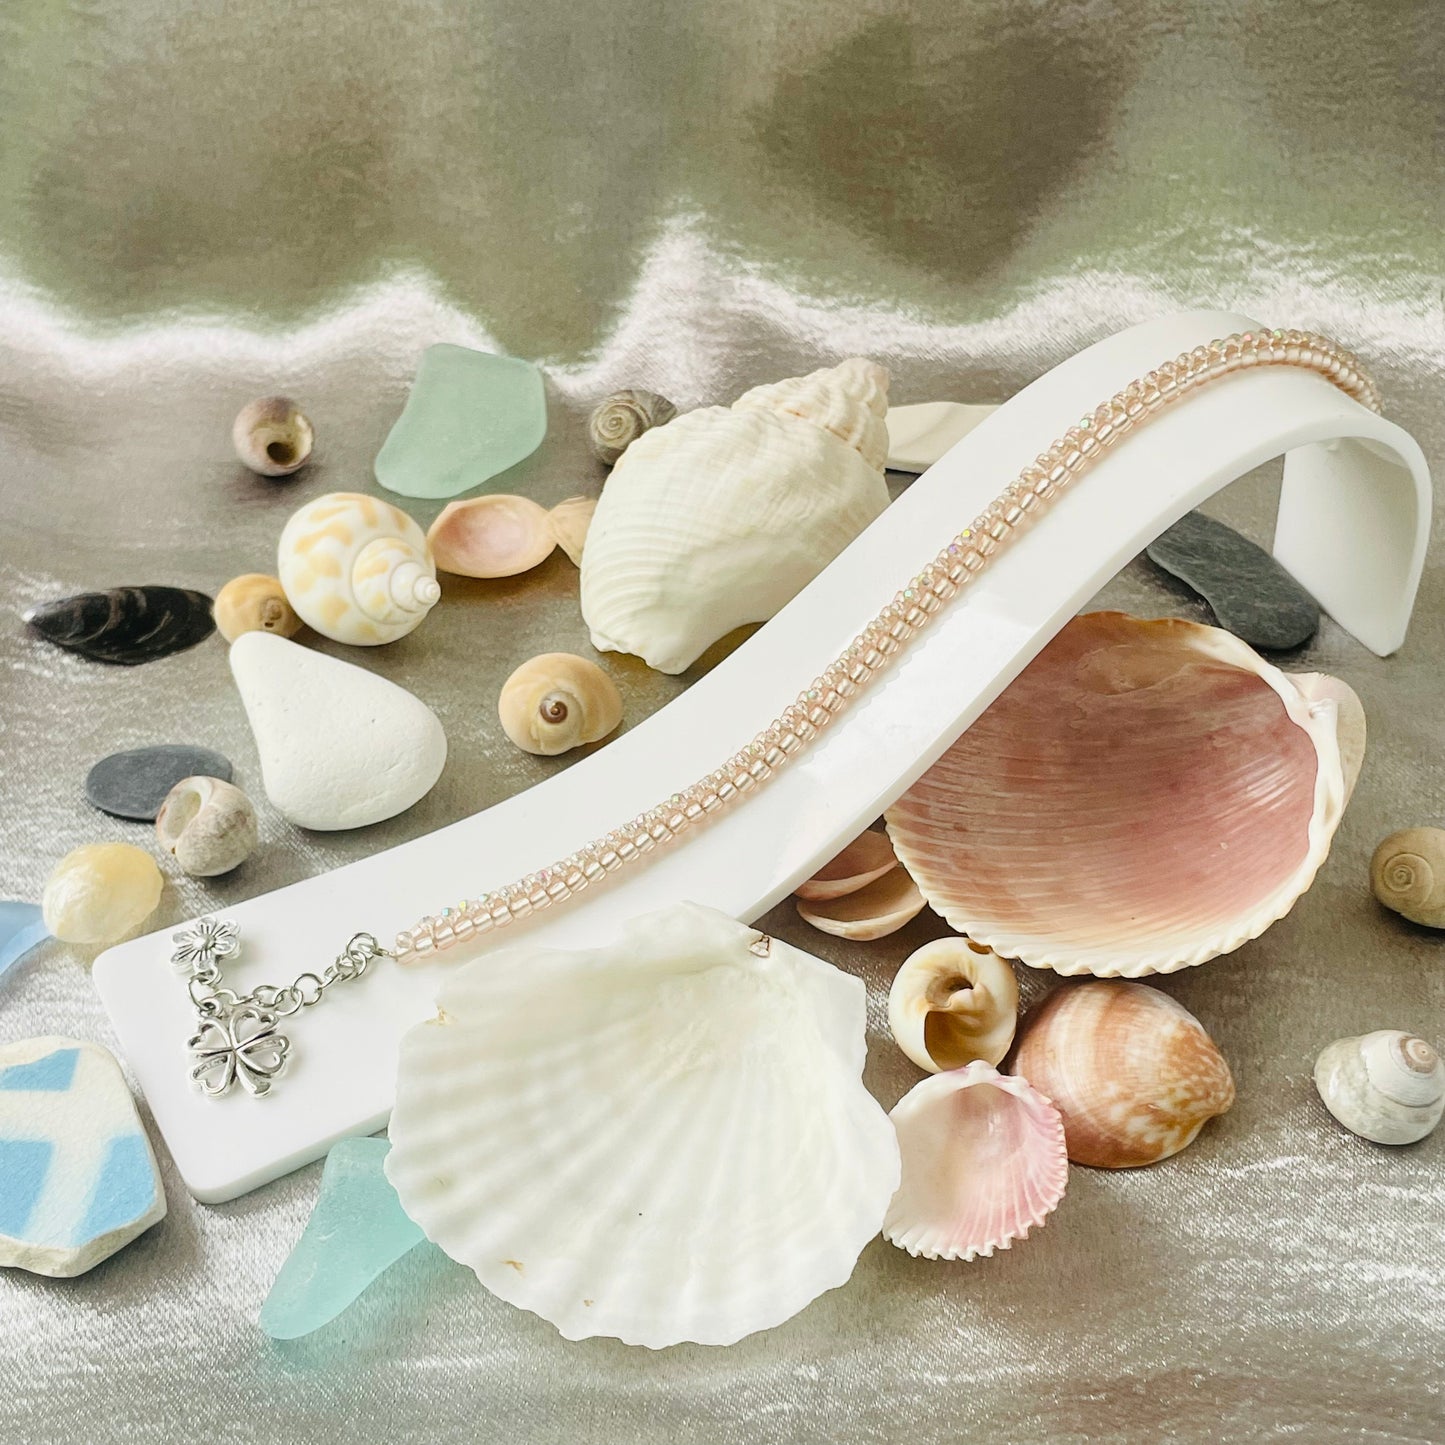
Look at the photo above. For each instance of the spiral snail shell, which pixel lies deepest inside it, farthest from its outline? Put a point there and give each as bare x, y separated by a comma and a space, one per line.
1407, 874
254, 603
618, 420
357, 569
1387, 1086
952, 1002
272, 436
557, 702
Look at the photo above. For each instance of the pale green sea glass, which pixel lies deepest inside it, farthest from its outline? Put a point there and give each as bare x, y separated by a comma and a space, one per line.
470, 415
356, 1230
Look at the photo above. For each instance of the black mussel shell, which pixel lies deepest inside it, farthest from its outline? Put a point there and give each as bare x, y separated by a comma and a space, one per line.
126, 625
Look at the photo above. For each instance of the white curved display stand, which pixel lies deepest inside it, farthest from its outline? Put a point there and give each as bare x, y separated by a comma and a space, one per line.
1353, 524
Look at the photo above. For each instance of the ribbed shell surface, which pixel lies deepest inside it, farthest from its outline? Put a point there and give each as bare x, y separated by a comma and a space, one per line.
716, 520
662, 1140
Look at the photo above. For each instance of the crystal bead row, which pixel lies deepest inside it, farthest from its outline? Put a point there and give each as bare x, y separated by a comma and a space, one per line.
968, 554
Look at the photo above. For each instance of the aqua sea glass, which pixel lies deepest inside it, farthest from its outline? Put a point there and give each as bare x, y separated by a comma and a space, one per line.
21, 928
356, 1230
470, 415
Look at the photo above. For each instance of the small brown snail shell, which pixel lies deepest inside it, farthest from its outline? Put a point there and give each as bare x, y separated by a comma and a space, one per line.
556, 702
207, 826
272, 436
254, 603
618, 420
1407, 874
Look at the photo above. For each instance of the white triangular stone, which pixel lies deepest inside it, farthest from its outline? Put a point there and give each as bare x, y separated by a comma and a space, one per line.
339, 746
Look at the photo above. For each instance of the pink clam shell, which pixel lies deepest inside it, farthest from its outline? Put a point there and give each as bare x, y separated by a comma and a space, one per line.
497, 535
1145, 796
983, 1163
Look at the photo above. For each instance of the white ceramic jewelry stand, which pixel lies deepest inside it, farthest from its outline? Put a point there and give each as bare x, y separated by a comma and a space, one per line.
1353, 524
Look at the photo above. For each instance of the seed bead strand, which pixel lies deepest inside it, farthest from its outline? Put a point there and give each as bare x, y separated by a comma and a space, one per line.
1028, 496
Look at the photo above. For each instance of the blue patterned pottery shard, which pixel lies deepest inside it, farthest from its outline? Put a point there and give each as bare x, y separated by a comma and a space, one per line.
77, 1176
21, 928
356, 1230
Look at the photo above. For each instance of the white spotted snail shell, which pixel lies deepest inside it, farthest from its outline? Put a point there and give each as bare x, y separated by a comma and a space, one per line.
1407, 874
357, 569
618, 420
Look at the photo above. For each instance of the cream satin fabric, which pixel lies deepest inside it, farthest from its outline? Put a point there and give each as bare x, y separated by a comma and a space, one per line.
200, 203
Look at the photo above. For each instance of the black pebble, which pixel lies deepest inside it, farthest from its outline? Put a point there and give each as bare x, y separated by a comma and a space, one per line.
1251, 595
126, 625
135, 784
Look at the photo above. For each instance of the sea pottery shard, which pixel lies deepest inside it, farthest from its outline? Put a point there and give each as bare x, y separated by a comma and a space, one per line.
78, 1180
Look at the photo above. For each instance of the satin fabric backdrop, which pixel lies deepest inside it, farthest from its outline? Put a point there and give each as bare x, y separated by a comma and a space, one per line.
204, 202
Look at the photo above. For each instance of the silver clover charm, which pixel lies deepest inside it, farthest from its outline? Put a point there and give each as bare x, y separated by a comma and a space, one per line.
204, 944
238, 1047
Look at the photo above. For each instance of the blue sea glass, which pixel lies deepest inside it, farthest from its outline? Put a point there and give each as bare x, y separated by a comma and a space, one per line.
470, 415
356, 1230
21, 928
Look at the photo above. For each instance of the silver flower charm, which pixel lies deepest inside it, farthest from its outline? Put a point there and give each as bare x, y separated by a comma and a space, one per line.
242, 1046
202, 946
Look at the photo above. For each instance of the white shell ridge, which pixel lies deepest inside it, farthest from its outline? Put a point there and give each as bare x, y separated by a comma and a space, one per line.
666, 1138
723, 515
1387, 1086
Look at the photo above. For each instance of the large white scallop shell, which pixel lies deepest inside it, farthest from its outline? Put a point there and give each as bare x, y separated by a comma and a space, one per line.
663, 1139
983, 1163
357, 569
721, 516
1145, 796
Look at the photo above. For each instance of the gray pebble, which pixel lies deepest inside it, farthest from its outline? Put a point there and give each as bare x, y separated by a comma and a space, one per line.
1251, 595
134, 784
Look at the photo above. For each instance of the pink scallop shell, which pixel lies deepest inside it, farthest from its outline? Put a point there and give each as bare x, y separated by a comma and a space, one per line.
983, 1163
1145, 796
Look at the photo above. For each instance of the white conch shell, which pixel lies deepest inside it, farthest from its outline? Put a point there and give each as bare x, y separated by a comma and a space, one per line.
952, 1002
1387, 1086
663, 1139
1145, 796
722, 515
983, 1163
357, 569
